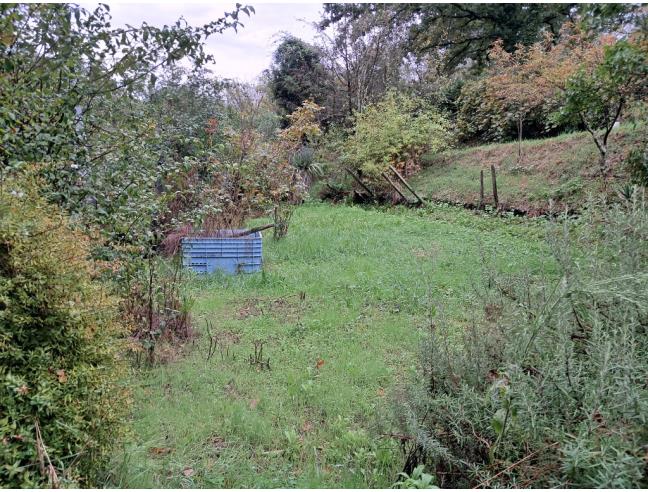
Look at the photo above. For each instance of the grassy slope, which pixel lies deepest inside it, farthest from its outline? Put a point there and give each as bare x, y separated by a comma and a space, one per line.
562, 168
367, 277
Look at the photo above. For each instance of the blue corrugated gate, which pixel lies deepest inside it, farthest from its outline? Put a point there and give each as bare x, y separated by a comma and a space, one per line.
231, 255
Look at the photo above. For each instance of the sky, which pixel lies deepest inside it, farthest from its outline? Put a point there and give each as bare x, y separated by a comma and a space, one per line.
243, 55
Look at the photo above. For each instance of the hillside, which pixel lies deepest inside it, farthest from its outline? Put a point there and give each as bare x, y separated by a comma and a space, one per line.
563, 169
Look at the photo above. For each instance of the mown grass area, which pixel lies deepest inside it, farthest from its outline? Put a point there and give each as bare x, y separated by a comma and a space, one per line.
563, 169
341, 306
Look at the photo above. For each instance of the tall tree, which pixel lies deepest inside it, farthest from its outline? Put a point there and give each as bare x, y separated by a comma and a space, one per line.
363, 59
462, 31
296, 74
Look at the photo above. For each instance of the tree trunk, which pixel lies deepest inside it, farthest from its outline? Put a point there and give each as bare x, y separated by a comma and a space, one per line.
519, 139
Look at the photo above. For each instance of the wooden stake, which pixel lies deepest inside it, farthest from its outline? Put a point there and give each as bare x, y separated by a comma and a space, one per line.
406, 184
481, 189
393, 185
359, 181
494, 178
251, 231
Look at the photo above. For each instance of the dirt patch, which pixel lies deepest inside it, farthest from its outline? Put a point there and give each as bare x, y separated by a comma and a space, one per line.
287, 308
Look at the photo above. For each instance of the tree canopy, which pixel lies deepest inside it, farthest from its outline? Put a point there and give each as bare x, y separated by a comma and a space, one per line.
296, 74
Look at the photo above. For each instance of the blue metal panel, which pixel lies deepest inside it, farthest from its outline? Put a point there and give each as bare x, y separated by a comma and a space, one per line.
230, 255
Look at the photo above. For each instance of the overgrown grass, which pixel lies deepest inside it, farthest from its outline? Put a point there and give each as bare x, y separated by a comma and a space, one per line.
337, 307
547, 386
562, 169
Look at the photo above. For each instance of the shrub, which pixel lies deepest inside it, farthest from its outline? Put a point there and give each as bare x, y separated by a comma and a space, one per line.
395, 131
547, 386
61, 405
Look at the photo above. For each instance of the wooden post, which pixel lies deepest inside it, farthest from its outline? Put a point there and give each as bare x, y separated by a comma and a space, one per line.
393, 185
481, 189
359, 181
406, 184
494, 178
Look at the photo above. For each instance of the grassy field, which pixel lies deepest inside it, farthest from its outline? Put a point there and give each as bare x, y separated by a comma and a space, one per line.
341, 307
563, 169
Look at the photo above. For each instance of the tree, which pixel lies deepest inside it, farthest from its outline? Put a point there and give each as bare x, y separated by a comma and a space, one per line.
596, 98
75, 96
362, 60
514, 80
296, 74
463, 32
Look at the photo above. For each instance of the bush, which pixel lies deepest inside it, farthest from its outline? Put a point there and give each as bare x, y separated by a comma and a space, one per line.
395, 131
547, 386
61, 405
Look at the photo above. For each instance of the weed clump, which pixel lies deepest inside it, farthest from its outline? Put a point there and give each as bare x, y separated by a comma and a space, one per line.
61, 404
546, 387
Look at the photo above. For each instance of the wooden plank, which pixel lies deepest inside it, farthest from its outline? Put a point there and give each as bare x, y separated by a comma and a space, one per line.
406, 184
251, 231
393, 185
359, 181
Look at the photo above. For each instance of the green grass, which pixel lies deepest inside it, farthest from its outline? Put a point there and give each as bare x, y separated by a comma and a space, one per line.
563, 169
368, 278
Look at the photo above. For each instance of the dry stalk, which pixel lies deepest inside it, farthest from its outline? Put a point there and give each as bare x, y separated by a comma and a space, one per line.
41, 452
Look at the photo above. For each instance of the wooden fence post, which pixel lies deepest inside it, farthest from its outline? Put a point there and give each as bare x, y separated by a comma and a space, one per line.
481, 189
359, 181
406, 184
494, 178
393, 185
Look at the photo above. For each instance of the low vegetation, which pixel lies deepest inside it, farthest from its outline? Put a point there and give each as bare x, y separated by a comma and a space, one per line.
545, 387
63, 403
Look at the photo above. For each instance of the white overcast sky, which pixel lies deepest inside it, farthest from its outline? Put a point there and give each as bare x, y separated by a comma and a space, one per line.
243, 55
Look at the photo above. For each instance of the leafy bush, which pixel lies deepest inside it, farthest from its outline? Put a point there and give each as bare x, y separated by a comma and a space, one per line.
547, 386
395, 131
418, 480
60, 404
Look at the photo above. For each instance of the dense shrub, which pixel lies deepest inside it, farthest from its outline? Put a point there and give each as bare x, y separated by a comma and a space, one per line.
60, 401
547, 386
395, 131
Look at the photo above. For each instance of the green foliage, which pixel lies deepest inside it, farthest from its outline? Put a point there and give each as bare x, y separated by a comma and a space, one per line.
482, 119
61, 404
418, 480
296, 74
464, 32
395, 131
48, 102
637, 163
544, 384
596, 98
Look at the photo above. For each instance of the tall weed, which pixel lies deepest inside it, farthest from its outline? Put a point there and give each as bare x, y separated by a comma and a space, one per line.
546, 386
